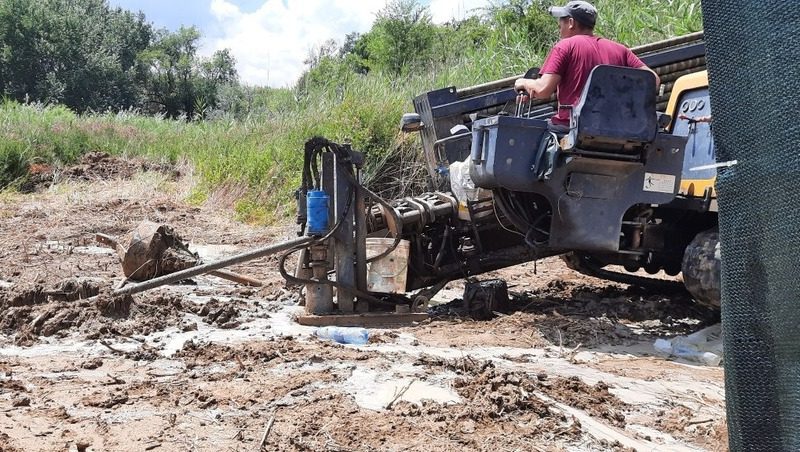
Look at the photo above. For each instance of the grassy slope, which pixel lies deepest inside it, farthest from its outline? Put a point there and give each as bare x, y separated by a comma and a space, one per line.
259, 157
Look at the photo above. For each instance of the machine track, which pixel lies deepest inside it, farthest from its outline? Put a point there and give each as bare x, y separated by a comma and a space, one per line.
588, 266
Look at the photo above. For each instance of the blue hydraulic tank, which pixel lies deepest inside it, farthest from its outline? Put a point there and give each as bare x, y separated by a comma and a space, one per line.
317, 212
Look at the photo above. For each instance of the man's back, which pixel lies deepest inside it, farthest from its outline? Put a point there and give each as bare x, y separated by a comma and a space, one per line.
574, 58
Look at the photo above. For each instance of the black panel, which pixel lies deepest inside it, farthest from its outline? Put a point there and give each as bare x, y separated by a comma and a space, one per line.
476, 103
672, 56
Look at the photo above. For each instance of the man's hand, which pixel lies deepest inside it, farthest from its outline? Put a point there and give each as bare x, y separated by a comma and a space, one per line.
540, 88
527, 85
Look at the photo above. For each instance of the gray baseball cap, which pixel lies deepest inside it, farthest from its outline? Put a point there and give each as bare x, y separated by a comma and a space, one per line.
579, 10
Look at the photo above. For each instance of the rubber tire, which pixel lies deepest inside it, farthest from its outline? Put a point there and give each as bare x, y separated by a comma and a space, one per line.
701, 269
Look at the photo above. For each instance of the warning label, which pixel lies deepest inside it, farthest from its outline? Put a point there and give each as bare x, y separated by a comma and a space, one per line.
660, 183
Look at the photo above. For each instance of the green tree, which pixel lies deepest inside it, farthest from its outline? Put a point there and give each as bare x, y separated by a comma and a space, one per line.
180, 83
354, 53
527, 21
401, 37
170, 86
325, 67
455, 39
217, 73
20, 49
220, 68
81, 53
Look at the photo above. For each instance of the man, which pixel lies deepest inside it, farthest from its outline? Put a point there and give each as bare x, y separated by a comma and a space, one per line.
570, 61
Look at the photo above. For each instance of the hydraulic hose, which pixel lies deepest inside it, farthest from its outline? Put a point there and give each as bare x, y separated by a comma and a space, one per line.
313, 148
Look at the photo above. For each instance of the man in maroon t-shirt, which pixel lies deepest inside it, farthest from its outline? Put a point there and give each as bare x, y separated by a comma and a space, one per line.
570, 61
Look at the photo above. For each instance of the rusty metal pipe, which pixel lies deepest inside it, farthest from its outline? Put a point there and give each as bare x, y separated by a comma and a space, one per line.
680, 66
507, 82
660, 45
237, 278
673, 76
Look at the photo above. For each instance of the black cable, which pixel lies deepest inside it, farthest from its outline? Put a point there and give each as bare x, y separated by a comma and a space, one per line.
313, 149
315, 170
397, 221
344, 154
301, 282
442, 247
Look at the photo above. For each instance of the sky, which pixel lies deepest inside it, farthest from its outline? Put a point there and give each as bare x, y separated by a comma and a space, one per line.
271, 38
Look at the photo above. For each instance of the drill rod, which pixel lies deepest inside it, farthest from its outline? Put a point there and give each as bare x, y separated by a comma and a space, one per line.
212, 266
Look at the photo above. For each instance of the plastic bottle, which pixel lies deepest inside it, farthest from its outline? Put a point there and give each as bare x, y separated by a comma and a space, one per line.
686, 351
344, 335
692, 354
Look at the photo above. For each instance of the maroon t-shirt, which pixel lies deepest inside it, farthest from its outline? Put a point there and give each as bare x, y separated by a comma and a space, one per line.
574, 58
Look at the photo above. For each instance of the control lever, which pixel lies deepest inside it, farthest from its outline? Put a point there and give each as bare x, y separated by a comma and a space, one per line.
523, 97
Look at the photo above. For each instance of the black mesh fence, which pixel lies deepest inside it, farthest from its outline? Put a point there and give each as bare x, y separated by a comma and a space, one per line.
753, 54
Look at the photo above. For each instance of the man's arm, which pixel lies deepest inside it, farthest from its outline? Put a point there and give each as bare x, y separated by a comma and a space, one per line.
540, 88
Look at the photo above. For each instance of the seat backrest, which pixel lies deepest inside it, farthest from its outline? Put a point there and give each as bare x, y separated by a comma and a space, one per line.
617, 110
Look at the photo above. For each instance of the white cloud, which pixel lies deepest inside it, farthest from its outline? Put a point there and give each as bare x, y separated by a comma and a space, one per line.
271, 43
222, 10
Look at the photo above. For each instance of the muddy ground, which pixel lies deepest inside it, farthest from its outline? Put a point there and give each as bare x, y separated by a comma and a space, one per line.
211, 365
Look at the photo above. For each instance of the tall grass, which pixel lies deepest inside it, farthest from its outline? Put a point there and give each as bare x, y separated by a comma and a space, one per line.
649, 21
262, 153
259, 156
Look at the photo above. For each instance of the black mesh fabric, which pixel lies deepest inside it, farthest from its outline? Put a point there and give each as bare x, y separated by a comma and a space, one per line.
753, 51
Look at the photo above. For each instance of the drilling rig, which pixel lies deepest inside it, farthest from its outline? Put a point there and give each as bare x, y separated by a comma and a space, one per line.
630, 186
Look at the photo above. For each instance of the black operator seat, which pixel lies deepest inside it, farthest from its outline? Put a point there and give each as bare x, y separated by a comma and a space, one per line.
616, 112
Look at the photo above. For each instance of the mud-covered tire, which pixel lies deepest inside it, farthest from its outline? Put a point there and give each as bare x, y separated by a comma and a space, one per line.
701, 269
